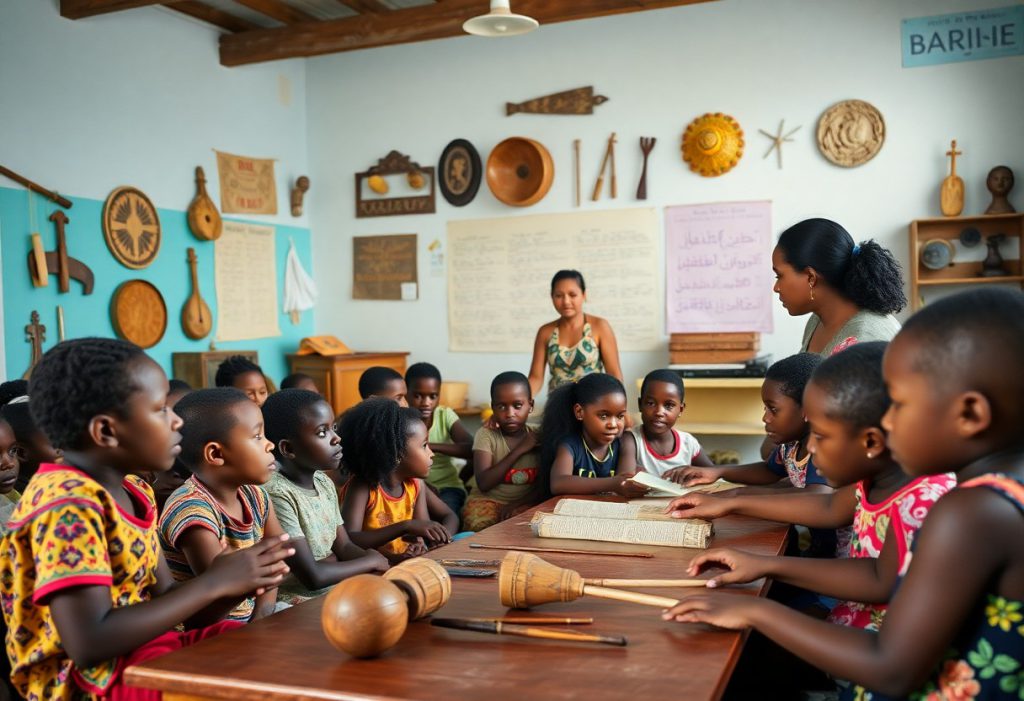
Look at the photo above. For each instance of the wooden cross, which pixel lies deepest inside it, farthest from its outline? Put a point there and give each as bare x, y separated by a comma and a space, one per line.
35, 333
953, 153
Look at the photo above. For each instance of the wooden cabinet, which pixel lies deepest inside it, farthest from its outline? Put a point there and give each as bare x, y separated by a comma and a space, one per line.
199, 369
337, 376
964, 272
728, 406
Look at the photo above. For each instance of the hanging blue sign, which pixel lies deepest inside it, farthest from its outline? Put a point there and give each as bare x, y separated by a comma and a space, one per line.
963, 36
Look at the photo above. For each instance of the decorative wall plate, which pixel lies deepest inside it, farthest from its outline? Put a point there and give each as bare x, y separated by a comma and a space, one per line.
850, 133
937, 254
520, 171
459, 172
131, 227
138, 313
713, 144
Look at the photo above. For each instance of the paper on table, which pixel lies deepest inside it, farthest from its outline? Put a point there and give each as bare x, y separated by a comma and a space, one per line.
611, 509
246, 281
679, 533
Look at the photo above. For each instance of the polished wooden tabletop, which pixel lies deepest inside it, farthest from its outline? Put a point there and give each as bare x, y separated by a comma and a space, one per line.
287, 656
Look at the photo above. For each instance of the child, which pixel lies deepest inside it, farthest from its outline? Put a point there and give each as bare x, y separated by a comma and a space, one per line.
790, 464
505, 460
164, 483
448, 437
388, 456
221, 505
299, 380
844, 401
33, 446
243, 374
660, 449
380, 381
10, 453
580, 445
83, 581
304, 498
178, 389
952, 630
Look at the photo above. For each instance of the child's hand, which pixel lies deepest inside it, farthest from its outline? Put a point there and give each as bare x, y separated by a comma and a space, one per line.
414, 550
630, 489
706, 506
431, 530
743, 567
255, 569
378, 563
529, 442
692, 476
732, 611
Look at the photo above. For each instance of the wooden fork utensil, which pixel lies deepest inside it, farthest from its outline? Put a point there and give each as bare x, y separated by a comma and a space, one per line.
646, 145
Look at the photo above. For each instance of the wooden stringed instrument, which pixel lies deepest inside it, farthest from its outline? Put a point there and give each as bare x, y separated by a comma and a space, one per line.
196, 319
203, 217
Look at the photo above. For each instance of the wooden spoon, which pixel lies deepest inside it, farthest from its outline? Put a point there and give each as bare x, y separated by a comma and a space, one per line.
196, 319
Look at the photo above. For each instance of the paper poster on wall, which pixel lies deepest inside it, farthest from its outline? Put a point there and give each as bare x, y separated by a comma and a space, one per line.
718, 274
499, 276
246, 184
963, 36
246, 282
384, 267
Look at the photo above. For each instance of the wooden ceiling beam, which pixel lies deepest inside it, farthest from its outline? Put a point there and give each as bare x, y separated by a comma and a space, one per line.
77, 9
366, 6
420, 23
211, 15
276, 9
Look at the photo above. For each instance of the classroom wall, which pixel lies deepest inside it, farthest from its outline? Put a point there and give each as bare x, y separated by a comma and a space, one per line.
758, 61
134, 98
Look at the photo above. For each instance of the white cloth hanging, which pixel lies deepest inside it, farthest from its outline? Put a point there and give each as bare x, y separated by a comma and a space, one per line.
299, 289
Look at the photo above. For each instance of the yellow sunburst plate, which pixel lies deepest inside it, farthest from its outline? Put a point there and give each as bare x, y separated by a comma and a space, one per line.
713, 144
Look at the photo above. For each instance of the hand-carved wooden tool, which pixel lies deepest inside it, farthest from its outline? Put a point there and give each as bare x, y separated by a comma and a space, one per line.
22, 180
59, 263
526, 580
646, 146
502, 628
196, 320
578, 101
609, 153
35, 333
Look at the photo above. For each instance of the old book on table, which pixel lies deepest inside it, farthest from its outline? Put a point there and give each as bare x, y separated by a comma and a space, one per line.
678, 533
661, 487
611, 509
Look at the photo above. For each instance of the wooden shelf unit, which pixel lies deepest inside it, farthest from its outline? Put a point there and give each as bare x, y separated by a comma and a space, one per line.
337, 376
965, 273
726, 406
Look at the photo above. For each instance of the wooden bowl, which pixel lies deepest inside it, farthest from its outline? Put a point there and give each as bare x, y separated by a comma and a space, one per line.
520, 171
364, 615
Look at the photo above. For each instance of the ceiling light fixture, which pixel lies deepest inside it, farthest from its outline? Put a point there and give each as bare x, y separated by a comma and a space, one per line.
500, 22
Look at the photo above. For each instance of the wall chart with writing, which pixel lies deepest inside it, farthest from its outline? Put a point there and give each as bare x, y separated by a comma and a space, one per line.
719, 267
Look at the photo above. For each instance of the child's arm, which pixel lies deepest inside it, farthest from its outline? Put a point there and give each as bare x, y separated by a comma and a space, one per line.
702, 460
754, 473
867, 579
563, 481
488, 476
461, 445
354, 512
92, 630
950, 574
609, 349
832, 510
429, 507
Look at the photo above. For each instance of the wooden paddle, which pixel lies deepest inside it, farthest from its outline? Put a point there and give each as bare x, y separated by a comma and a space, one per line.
196, 319
203, 217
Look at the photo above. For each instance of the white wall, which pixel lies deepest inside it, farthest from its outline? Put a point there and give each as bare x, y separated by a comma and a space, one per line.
758, 61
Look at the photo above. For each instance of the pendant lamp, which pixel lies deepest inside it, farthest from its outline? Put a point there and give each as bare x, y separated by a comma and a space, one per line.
499, 22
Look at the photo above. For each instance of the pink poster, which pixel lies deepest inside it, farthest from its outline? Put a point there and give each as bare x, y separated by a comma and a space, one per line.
719, 267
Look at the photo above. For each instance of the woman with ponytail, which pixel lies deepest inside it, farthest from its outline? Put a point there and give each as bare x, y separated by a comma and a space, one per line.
850, 290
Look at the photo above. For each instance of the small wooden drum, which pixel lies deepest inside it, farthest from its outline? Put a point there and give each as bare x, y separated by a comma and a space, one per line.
425, 582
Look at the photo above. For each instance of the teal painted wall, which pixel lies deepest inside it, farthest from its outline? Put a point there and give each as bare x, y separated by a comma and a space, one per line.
89, 315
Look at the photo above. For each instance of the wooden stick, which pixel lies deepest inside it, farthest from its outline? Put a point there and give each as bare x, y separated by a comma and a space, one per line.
566, 551
576, 149
538, 620
48, 194
611, 149
631, 596
500, 628
664, 583
604, 165
60, 323
470, 563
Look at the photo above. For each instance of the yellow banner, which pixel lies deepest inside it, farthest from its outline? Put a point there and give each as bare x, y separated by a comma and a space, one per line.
246, 184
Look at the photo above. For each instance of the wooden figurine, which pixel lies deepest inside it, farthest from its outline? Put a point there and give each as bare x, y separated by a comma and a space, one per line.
35, 333
298, 192
58, 262
992, 266
999, 183
578, 101
203, 218
951, 194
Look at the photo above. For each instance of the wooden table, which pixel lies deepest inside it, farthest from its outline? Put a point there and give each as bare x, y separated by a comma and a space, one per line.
287, 657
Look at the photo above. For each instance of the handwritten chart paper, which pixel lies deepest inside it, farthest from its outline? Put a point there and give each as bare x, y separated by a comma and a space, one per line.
246, 282
718, 274
499, 277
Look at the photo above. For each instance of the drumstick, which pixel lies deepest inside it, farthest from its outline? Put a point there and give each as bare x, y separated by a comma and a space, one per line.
500, 628
646, 582
576, 148
558, 550
538, 620
611, 149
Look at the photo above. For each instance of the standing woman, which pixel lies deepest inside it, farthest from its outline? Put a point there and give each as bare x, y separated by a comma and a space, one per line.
850, 290
575, 344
